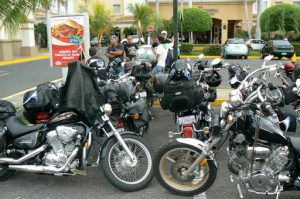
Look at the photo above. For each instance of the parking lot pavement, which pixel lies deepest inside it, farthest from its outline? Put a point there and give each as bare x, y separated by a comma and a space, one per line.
95, 185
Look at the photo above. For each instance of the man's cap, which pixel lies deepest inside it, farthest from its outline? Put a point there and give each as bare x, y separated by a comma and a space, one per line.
113, 37
163, 32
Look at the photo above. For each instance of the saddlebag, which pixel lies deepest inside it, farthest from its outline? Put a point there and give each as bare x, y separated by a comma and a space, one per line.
7, 109
181, 95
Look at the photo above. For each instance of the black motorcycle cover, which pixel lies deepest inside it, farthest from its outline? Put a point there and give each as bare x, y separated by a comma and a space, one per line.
7, 109
181, 95
80, 92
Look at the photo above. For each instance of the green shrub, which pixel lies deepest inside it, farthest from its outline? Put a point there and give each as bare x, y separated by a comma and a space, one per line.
297, 48
186, 49
212, 50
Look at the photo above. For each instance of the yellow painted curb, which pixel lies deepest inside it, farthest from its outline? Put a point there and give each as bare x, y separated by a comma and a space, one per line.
249, 57
21, 60
217, 102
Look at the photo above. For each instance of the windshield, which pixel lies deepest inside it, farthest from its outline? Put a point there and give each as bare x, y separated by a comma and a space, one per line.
235, 41
147, 54
281, 42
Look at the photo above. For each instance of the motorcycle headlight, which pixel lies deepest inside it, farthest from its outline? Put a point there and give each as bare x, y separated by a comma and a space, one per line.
107, 109
235, 97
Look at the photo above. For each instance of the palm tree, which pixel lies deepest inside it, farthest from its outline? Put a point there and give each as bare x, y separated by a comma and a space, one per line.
100, 20
142, 15
15, 12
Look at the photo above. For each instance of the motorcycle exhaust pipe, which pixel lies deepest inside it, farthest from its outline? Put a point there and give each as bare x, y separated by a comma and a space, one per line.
45, 169
24, 158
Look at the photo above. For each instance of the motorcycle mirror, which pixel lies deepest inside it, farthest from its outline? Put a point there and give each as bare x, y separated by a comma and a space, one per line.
234, 80
216, 61
201, 56
268, 58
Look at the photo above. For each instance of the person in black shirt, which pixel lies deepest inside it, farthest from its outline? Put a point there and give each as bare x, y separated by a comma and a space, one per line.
130, 48
116, 50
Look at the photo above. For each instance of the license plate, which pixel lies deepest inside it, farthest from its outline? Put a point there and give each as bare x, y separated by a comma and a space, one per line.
143, 94
186, 120
283, 53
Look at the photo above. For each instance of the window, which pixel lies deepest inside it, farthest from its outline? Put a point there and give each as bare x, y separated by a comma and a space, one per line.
116, 8
297, 3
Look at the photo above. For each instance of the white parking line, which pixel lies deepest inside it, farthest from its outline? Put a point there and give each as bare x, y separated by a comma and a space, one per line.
200, 196
1, 75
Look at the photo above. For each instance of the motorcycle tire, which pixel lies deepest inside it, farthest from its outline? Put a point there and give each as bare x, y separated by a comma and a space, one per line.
177, 187
122, 168
5, 173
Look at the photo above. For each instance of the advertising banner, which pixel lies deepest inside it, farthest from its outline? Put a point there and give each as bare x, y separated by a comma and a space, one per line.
69, 39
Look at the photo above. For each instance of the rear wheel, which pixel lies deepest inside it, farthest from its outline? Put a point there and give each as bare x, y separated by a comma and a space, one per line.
175, 158
262, 55
245, 57
279, 57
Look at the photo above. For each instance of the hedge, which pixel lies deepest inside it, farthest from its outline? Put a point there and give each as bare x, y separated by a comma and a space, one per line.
212, 50
297, 48
186, 48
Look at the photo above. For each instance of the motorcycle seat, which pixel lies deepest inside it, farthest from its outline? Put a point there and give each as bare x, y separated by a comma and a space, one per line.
17, 128
296, 143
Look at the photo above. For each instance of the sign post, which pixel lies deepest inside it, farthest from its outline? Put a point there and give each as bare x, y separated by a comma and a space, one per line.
68, 37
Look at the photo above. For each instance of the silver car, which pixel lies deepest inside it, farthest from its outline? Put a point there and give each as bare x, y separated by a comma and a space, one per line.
235, 47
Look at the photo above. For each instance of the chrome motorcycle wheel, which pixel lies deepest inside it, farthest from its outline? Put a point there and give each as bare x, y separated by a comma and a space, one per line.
125, 174
175, 158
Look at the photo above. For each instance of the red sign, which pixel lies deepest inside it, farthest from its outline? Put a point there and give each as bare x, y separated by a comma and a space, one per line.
67, 39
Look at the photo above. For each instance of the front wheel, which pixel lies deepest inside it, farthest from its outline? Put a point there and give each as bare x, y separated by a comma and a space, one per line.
175, 158
123, 173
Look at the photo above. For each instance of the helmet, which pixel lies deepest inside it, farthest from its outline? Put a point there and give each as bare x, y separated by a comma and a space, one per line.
236, 70
180, 70
289, 67
213, 79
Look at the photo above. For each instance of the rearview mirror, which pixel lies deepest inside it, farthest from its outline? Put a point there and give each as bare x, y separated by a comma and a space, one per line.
268, 58
216, 61
201, 56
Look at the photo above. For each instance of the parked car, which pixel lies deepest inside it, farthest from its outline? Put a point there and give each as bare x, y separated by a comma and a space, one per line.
104, 41
235, 47
255, 44
135, 40
278, 48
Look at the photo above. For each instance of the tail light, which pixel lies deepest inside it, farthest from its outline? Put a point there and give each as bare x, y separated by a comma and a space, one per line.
42, 117
120, 123
274, 47
188, 131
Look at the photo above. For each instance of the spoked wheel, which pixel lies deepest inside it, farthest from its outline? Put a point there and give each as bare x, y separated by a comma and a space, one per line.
175, 158
123, 173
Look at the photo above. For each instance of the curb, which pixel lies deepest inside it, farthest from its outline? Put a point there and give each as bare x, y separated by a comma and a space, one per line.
249, 57
22, 60
217, 102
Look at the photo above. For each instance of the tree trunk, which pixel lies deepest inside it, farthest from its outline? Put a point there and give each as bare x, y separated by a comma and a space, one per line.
247, 18
258, 30
99, 43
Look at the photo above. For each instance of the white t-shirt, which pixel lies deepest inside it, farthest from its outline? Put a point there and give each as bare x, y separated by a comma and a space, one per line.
162, 51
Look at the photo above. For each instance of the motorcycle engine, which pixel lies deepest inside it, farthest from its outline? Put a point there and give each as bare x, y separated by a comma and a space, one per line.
264, 178
62, 140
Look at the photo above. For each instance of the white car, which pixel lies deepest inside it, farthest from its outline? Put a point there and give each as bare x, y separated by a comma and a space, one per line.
255, 44
235, 47
135, 39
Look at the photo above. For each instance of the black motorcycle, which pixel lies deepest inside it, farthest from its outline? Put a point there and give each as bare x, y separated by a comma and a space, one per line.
62, 146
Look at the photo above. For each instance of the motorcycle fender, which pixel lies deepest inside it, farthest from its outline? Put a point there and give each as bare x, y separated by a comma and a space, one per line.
103, 149
198, 144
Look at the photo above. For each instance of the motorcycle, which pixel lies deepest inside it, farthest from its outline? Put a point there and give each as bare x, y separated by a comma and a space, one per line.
61, 146
193, 118
130, 111
264, 158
